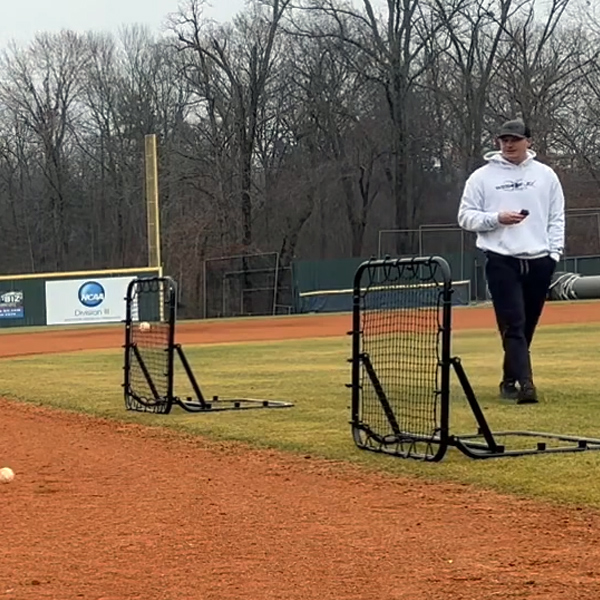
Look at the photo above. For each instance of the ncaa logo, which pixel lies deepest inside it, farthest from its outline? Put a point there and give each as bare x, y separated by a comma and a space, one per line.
91, 294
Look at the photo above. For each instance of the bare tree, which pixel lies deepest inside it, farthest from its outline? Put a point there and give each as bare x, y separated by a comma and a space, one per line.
542, 65
41, 88
19, 244
472, 39
240, 61
576, 135
395, 50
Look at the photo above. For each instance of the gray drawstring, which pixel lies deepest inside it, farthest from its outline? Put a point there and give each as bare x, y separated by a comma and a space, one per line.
524, 266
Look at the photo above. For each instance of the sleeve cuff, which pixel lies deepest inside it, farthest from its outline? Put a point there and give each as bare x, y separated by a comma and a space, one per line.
555, 256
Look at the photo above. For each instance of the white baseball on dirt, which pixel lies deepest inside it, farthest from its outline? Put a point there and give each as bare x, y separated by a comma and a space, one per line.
144, 326
6, 475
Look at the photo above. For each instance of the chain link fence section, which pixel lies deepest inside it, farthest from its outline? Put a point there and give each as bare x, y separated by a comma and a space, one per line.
582, 226
432, 239
582, 241
246, 285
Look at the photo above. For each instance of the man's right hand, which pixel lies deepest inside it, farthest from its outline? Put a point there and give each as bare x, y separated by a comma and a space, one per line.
510, 218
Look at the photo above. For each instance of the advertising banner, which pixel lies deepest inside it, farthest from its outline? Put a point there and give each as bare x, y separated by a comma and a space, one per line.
79, 301
11, 305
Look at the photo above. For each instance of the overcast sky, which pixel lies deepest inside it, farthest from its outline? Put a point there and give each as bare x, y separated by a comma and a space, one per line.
21, 19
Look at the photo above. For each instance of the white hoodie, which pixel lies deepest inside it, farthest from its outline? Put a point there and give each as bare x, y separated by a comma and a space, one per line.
501, 186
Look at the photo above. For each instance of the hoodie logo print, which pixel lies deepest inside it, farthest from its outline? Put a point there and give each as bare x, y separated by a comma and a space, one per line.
515, 186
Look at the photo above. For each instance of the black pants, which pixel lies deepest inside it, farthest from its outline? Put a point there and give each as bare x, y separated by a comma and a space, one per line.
518, 288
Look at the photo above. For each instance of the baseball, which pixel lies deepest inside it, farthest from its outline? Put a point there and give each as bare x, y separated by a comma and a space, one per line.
144, 326
6, 475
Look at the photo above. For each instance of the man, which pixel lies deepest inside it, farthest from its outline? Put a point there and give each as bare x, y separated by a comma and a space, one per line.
515, 204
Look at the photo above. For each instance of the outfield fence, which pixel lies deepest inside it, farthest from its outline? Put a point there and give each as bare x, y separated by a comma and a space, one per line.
258, 284
67, 298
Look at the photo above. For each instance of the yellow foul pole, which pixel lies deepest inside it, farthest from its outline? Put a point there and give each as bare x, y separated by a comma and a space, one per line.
152, 214
152, 209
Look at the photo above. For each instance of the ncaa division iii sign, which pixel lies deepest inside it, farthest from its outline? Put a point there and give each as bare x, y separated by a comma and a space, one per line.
77, 301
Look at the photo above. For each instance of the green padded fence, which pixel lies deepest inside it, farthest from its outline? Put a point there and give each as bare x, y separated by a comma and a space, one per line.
326, 285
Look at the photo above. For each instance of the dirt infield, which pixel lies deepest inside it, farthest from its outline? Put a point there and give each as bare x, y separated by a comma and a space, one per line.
261, 329
107, 512
104, 511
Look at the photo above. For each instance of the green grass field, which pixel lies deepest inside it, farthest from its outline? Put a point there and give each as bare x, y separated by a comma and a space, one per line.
313, 374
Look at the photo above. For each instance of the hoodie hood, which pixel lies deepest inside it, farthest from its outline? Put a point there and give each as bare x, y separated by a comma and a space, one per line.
496, 157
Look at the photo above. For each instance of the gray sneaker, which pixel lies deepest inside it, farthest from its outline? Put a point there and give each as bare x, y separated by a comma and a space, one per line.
508, 390
527, 394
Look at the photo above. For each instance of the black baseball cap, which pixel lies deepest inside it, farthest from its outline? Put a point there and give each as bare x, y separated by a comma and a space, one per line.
515, 128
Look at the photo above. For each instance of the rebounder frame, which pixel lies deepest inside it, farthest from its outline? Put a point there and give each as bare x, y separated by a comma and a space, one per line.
409, 444
157, 393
